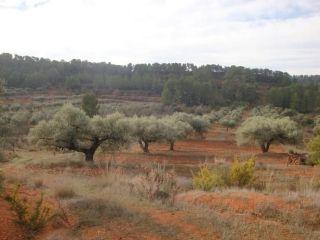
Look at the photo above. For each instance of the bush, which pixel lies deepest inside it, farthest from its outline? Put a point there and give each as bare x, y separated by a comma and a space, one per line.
207, 179
65, 193
158, 183
32, 218
242, 174
314, 148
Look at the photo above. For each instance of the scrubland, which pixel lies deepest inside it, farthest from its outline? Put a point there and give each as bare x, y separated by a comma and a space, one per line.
129, 194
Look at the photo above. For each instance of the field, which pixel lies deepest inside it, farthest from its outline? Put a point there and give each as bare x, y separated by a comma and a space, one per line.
110, 198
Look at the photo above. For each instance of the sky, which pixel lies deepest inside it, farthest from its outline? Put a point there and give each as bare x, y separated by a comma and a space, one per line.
277, 34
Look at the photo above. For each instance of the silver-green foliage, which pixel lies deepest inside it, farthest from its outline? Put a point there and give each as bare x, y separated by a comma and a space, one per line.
146, 130
226, 116
199, 124
72, 129
316, 128
266, 111
13, 127
232, 118
174, 129
40, 115
266, 130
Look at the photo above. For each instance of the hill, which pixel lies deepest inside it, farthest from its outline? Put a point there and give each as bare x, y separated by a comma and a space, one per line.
178, 83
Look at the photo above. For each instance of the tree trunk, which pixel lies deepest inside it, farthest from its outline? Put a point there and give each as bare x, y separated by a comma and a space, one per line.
89, 155
265, 147
144, 146
172, 146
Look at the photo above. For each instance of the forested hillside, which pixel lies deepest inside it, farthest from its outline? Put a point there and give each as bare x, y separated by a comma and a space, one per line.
187, 84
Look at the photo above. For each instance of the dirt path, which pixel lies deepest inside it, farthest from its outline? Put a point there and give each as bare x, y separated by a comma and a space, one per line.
8, 228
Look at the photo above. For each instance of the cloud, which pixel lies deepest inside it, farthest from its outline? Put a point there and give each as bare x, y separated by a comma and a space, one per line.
22, 5
282, 35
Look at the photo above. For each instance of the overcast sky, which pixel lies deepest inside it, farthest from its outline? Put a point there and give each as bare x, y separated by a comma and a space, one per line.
276, 34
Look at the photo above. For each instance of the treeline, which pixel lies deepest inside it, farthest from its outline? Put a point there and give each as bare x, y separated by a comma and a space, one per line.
303, 98
240, 85
188, 84
40, 73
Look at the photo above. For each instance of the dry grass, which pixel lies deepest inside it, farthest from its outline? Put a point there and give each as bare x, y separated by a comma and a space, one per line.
64, 193
93, 212
109, 198
99, 212
231, 227
38, 183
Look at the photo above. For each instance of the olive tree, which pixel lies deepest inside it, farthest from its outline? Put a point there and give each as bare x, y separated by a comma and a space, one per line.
228, 122
232, 118
216, 116
72, 129
266, 111
174, 130
199, 124
13, 127
146, 130
265, 131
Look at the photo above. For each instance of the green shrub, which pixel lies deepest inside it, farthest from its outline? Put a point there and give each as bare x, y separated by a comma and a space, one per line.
207, 179
242, 173
32, 218
314, 148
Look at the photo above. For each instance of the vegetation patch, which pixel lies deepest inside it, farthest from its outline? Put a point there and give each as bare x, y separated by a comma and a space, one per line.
239, 174
33, 216
97, 212
207, 179
157, 183
64, 193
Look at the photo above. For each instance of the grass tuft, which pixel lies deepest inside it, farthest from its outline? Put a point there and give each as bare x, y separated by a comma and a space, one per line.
65, 193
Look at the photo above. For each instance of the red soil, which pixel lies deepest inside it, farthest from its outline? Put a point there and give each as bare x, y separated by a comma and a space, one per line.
237, 202
219, 144
9, 230
186, 229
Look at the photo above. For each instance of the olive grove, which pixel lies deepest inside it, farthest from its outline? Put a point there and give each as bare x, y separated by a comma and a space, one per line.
265, 131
